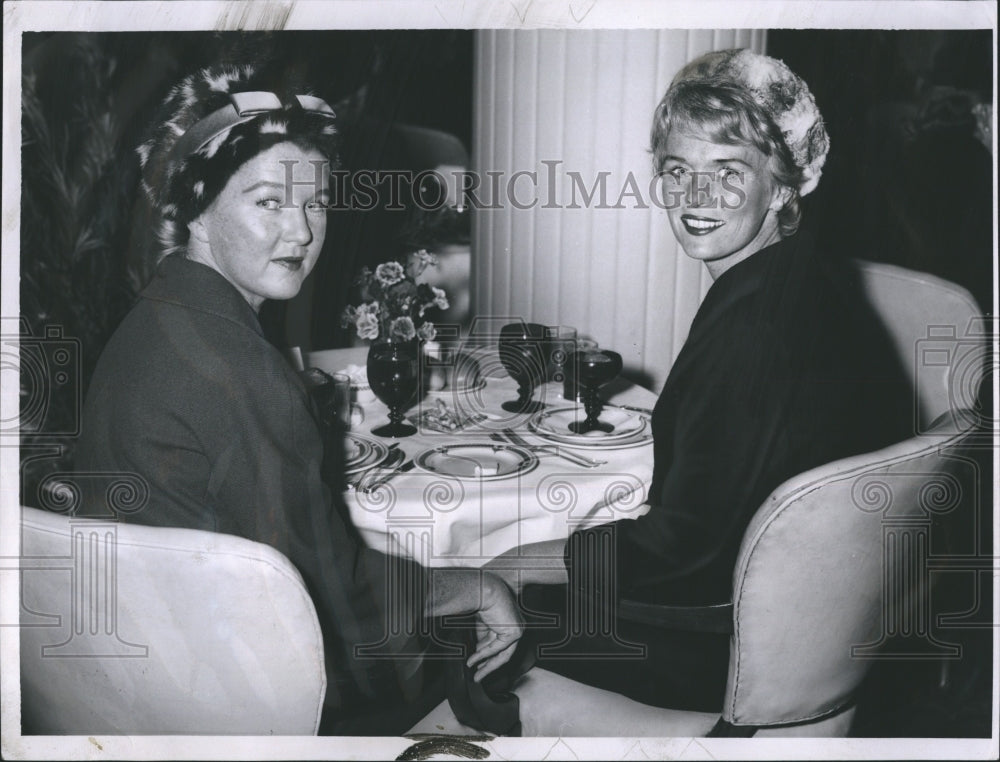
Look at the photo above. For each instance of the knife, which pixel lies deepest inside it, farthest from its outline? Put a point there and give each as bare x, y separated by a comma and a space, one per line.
408, 465
641, 410
572, 457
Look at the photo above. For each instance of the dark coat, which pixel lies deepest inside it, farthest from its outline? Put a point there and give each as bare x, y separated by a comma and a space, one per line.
190, 396
786, 368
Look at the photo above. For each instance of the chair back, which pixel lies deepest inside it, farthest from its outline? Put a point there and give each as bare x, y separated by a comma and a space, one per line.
836, 560
130, 629
938, 332
829, 569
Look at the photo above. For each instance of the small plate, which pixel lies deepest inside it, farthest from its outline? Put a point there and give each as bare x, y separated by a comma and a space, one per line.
598, 441
635, 440
555, 424
360, 453
480, 462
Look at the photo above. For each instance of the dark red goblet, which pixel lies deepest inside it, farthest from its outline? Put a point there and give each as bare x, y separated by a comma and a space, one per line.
521, 348
594, 368
394, 374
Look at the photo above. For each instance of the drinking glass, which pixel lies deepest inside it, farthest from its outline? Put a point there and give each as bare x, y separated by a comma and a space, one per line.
594, 368
522, 354
331, 393
394, 374
571, 391
342, 398
560, 341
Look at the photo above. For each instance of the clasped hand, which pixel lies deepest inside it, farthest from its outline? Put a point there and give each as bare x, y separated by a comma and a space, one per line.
498, 628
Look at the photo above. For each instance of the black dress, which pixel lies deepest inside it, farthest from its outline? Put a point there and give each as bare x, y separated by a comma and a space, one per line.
786, 368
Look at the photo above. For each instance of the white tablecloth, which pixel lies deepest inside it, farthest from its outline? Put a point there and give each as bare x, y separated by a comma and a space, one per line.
443, 521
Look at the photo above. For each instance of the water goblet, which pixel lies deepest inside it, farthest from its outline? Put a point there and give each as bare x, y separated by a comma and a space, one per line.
394, 375
594, 368
521, 348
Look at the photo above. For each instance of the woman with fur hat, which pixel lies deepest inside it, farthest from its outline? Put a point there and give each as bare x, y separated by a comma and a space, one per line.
785, 368
190, 396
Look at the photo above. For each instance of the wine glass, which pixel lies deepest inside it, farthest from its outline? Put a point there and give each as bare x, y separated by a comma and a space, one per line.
394, 374
594, 368
521, 354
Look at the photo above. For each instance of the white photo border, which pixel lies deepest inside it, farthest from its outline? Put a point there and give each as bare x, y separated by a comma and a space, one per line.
192, 15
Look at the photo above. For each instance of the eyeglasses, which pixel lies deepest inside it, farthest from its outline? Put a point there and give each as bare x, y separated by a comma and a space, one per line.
242, 107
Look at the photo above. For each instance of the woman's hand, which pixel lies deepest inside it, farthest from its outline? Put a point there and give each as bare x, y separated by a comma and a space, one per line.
499, 628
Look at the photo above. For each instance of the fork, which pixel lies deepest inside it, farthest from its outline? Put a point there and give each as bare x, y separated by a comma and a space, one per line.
572, 457
402, 466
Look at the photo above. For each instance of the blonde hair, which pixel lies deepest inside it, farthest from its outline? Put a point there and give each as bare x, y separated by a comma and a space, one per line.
724, 112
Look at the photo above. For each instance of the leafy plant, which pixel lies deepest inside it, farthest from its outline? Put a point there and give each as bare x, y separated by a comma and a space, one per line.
76, 196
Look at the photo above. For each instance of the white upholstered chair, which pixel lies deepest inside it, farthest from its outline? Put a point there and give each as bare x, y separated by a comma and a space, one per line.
939, 334
813, 588
129, 629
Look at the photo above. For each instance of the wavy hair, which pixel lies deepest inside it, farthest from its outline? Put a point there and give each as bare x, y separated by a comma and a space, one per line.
726, 113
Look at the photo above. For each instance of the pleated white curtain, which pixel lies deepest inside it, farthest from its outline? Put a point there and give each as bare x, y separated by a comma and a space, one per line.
564, 109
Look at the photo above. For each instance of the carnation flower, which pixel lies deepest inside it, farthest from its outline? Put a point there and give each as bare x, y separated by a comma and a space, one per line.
389, 273
402, 328
440, 298
367, 325
426, 331
349, 316
420, 260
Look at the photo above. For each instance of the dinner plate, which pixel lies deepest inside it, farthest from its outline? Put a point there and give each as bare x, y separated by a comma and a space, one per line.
480, 462
361, 452
554, 423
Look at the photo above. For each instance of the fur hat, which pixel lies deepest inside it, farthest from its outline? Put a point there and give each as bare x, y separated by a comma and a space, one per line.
216, 120
782, 94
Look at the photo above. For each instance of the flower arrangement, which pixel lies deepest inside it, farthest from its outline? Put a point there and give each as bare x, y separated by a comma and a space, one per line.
393, 303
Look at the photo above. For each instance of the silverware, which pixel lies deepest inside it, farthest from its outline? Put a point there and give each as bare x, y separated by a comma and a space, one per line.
402, 468
460, 424
473, 419
632, 408
572, 457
